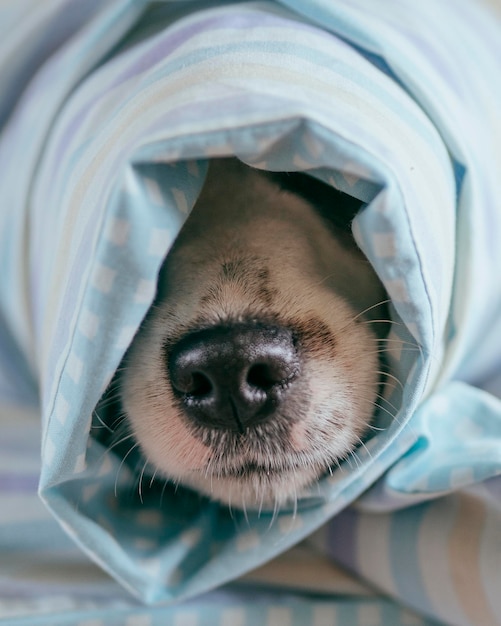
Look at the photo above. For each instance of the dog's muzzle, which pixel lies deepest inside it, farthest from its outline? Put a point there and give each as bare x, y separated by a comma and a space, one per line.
233, 377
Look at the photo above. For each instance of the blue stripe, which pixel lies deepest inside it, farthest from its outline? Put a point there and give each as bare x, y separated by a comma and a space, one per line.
404, 556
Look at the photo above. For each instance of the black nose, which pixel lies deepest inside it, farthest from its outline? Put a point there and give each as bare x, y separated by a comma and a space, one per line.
232, 377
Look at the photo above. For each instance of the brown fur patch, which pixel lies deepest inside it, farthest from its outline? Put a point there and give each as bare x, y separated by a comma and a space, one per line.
314, 335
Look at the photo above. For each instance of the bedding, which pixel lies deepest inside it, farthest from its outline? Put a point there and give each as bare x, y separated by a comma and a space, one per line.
109, 112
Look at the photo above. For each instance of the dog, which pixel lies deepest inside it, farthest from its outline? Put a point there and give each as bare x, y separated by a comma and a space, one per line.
257, 368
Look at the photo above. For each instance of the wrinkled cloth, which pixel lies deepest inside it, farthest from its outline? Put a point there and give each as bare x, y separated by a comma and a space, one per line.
109, 113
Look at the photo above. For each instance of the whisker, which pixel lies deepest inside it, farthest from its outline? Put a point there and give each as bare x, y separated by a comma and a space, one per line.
120, 441
246, 517
380, 407
294, 510
379, 321
112, 393
352, 455
362, 443
140, 485
261, 504
391, 350
276, 506
395, 340
102, 423
230, 506
391, 377
162, 493
415, 344
370, 308
376, 428
384, 400
335, 462
121, 465
153, 477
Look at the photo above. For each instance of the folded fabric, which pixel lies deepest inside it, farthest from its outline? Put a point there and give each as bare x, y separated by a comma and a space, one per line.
110, 111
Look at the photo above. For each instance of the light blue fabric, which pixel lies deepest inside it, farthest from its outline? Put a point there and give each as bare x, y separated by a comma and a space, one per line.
110, 114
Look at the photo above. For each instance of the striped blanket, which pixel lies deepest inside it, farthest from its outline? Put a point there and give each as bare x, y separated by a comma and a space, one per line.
109, 111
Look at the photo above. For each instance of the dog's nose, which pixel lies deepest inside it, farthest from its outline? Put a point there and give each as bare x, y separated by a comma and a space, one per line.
232, 377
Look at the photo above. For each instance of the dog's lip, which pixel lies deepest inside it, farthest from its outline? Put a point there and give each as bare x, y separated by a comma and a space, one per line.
249, 469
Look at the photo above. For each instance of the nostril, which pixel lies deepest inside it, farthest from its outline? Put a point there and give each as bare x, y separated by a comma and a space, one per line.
265, 376
187, 375
259, 375
199, 386
233, 376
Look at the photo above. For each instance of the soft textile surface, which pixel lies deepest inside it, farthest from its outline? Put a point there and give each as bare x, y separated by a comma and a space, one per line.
109, 112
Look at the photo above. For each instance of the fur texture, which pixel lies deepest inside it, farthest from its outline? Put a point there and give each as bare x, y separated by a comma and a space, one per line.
254, 253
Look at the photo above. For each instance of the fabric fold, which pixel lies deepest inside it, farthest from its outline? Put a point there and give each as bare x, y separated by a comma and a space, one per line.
101, 161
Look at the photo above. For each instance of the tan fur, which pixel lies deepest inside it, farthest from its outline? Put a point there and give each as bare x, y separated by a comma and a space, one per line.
250, 251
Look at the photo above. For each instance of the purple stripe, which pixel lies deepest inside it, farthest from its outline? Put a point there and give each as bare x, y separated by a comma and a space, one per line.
153, 55
165, 47
140, 65
493, 487
10, 483
14, 445
237, 104
162, 50
342, 538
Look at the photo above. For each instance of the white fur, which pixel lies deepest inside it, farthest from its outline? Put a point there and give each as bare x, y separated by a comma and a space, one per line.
242, 218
